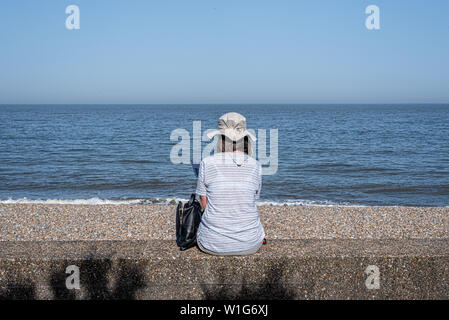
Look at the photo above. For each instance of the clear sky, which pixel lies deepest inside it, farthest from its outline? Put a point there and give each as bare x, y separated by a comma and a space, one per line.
224, 51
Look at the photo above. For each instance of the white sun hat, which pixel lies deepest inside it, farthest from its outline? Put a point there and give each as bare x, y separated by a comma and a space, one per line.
233, 126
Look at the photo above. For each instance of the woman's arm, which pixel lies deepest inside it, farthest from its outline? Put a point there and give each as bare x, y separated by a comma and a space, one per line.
201, 186
203, 202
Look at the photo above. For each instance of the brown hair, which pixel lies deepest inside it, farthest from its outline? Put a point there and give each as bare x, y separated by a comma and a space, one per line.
234, 144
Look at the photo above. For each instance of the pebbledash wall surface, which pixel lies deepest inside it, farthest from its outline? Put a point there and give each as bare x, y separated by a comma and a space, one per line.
129, 252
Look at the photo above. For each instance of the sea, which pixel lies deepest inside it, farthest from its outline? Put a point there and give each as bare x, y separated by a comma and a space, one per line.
328, 155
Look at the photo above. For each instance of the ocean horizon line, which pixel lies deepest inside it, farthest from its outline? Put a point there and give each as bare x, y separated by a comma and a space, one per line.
231, 104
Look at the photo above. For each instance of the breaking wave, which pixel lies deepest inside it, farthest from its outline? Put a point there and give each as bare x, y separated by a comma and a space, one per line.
160, 201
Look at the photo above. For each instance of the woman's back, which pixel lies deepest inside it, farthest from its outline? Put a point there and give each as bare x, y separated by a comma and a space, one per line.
232, 182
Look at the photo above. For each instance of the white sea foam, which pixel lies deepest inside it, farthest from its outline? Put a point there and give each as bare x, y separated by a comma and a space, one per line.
90, 201
303, 202
163, 201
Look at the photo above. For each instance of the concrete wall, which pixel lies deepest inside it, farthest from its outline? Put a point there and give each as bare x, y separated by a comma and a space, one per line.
283, 269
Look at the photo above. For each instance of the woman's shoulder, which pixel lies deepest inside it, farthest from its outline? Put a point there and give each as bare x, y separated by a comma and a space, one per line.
212, 158
252, 160
221, 158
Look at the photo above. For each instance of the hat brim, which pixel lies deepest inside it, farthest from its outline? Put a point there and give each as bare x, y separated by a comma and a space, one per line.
231, 134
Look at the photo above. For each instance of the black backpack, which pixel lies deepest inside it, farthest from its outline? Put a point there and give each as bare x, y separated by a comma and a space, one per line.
188, 218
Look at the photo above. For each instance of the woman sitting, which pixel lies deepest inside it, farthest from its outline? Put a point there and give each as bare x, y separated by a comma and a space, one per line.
229, 182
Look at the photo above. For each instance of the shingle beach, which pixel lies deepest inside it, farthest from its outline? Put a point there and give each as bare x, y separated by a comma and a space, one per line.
312, 253
48, 222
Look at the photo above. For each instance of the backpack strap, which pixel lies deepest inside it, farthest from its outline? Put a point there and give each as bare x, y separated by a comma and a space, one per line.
192, 199
179, 213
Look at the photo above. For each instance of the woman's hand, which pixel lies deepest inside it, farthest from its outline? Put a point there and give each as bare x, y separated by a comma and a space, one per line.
203, 202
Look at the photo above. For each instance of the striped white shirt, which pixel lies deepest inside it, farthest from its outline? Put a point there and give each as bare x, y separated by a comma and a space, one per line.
232, 182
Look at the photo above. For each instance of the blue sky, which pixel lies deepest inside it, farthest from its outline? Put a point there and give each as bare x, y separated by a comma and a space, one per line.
224, 51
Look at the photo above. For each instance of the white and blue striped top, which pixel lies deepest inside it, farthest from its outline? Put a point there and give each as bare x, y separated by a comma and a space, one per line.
232, 182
